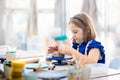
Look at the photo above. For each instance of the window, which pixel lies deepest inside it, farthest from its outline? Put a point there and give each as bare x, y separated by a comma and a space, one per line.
18, 15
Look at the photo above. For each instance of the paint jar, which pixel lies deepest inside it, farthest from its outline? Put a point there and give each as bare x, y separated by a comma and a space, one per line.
74, 73
10, 56
7, 69
17, 69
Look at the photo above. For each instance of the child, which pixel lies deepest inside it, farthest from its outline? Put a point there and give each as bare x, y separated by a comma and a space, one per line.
85, 48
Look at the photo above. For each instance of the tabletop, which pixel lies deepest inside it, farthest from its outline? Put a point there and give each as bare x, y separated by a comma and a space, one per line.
106, 74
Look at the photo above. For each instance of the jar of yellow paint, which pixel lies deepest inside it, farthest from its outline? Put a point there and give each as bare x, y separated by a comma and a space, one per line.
17, 69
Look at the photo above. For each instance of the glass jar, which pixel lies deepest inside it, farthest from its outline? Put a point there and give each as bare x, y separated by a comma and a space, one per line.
10, 56
74, 73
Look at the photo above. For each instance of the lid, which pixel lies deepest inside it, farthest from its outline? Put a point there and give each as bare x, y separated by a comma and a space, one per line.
7, 63
11, 52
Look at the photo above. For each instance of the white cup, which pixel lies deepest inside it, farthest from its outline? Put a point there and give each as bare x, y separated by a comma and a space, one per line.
85, 73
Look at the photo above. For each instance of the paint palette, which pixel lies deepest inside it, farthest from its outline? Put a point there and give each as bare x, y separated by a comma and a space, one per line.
35, 65
52, 75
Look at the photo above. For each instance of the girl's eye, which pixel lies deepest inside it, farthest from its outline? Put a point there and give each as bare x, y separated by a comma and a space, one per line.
75, 32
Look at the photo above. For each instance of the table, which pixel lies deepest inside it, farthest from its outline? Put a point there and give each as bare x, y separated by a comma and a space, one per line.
110, 74
27, 56
111, 77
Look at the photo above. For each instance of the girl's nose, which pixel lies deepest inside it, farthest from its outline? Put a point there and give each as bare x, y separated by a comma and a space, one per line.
73, 36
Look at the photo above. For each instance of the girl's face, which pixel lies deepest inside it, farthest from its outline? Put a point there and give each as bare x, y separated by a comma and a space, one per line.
77, 33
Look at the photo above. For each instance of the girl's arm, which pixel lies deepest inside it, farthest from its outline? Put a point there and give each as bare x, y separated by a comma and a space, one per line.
92, 58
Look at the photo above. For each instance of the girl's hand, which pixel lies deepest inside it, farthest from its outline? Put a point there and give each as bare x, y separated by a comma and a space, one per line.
52, 49
65, 49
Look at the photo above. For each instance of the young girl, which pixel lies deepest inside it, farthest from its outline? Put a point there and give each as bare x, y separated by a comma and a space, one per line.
85, 48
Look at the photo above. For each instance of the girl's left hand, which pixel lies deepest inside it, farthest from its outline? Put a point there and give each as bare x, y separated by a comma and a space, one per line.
65, 49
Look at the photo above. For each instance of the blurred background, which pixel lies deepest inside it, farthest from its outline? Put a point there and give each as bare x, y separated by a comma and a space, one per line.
28, 24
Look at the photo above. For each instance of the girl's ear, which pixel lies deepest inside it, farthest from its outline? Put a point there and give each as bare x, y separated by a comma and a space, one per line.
88, 31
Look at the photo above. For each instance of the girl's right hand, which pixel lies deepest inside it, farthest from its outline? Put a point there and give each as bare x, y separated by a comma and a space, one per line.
52, 49
65, 49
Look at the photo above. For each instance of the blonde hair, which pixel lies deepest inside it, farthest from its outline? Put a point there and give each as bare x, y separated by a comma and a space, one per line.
84, 21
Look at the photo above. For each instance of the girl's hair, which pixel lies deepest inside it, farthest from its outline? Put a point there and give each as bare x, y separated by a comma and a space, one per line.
83, 21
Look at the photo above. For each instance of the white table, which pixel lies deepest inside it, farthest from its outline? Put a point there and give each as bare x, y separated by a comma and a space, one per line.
108, 74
